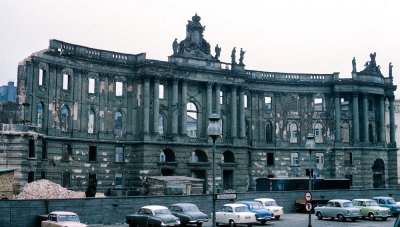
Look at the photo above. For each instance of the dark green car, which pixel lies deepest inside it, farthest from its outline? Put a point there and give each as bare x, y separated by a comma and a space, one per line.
188, 214
154, 216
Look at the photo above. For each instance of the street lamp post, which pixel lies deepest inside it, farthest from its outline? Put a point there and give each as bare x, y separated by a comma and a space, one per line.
310, 145
213, 130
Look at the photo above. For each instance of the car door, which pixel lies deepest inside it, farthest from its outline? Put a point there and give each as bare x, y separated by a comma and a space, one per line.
143, 216
337, 209
328, 211
230, 214
222, 215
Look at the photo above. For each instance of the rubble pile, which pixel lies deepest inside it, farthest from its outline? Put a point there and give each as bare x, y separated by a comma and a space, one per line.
45, 189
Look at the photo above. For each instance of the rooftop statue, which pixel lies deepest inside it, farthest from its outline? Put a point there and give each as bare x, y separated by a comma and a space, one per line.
175, 46
217, 52
242, 52
233, 56
371, 67
354, 65
390, 70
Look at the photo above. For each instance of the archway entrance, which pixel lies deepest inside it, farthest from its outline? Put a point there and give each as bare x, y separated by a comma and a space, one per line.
378, 171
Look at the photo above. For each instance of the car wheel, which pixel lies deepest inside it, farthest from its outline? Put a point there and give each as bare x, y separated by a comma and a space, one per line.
277, 217
232, 223
319, 215
371, 216
217, 223
341, 217
353, 219
263, 222
249, 225
199, 224
132, 225
384, 218
332, 218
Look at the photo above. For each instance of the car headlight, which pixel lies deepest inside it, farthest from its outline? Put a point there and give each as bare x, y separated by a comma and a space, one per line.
348, 212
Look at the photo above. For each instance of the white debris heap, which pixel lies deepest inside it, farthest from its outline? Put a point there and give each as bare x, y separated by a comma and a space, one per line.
45, 189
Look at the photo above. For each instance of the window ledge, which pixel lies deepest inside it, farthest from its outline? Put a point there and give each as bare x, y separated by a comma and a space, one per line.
167, 163
31, 158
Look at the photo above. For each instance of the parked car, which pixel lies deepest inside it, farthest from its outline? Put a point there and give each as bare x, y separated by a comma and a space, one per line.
62, 219
338, 208
262, 214
369, 208
388, 202
153, 215
235, 213
188, 213
270, 205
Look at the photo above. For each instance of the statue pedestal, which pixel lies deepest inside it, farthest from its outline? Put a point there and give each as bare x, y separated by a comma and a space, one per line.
236, 67
194, 62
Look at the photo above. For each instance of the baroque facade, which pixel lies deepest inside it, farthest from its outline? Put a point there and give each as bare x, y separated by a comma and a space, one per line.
122, 118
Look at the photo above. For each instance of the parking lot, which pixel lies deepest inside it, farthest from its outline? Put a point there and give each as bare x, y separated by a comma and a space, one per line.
299, 220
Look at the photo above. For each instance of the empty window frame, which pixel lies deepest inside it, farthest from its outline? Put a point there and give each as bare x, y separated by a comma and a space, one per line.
267, 103
268, 132
92, 85
118, 179
118, 89
221, 97
348, 158
91, 121
161, 124
318, 104
66, 81
245, 101
119, 154
294, 159
66, 179
270, 159
31, 153
44, 149
31, 176
64, 118
345, 132
344, 104
161, 91
191, 126
92, 153
42, 73
318, 133
118, 124
39, 115
66, 152
293, 133
319, 159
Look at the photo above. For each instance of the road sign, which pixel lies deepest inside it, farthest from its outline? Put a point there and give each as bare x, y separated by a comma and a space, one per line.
229, 196
308, 196
308, 207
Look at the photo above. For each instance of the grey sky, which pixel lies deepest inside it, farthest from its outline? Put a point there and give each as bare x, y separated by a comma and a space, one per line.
303, 36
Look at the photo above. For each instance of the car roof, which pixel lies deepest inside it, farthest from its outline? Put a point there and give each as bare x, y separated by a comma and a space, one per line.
63, 213
339, 200
363, 200
265, 199
235, 205
248, 202
154, 207
183, 204
382, 197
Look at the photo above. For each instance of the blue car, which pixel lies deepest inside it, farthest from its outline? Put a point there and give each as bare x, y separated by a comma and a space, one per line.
262, 214
388, 202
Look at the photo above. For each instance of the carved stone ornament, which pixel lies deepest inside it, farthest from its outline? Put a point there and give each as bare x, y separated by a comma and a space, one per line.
371, 68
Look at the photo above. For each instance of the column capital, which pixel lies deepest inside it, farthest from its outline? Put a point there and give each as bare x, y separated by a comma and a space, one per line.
355, 93
210, 84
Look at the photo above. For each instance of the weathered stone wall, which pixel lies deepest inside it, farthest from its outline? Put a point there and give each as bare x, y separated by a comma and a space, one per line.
10, 113
7, 184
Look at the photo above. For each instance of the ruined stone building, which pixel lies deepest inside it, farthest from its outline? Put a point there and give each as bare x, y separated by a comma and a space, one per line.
122, 118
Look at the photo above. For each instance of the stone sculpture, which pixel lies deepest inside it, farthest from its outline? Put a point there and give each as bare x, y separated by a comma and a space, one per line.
175, 46
242, 52
354, 65
217, 52
233, 56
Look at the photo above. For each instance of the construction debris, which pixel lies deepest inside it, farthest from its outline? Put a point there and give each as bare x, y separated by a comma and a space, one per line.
45, 189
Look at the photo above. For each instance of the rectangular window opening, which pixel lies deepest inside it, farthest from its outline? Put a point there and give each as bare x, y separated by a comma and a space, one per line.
118, 89
65, 81
221, 97
119, 154
267, 102
245, 101
92, 153
92, 85
118, 179
270, 159
31, 176
294, 158
66, 179
66, 152
41, 73
161, 91
31, 148
44, 149
318, 104
348, 158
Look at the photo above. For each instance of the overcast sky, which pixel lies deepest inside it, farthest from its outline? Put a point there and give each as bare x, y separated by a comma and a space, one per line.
302, 36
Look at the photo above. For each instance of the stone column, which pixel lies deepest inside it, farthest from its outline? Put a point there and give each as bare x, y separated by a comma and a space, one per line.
392, 123
209, 100
242, 122
337, 117
365, 117
174, 107
356, 120
184, 108
146, 105
217, 103
233, 112
382, 119
156, 105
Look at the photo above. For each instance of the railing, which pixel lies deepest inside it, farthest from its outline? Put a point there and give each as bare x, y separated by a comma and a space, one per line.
290, 77
198, 140
95, 54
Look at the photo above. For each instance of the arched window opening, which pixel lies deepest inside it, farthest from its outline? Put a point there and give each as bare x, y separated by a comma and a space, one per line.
370, 133
64, 118
169, 155
39, 114
318, 133
91, 121
345, 132
161, 124
228, 157
293, 132
118, 124
191, 127
199, 155
268, 132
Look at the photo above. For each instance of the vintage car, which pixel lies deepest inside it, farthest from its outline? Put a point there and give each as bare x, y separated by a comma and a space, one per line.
270, 205
369, 208
262, 214
188, 213
388, 202
62, 219
235, 213
152, 215
338, 208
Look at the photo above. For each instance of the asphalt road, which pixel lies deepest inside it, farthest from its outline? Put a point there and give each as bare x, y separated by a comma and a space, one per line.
300, 220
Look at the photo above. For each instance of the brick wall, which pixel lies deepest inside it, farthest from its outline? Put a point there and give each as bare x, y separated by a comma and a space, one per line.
113, 210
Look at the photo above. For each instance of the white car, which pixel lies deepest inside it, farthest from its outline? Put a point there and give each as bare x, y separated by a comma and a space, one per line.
62, 219
271, 206
233, 214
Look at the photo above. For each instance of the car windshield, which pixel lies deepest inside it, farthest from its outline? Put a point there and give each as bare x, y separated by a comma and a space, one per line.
162, 211
347, 204
242, 209
191, 208
73, 218
255, 206
270, 203
391, 201
372, 203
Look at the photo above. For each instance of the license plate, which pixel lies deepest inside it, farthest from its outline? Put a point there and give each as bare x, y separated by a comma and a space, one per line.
171, 224
247, 217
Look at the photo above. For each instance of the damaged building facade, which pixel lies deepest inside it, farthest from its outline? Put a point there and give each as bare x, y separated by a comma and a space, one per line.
121, 118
